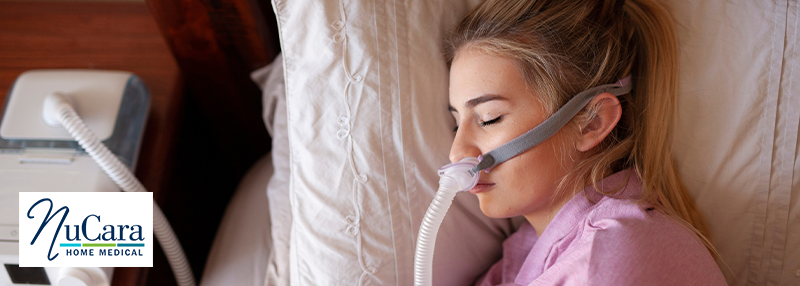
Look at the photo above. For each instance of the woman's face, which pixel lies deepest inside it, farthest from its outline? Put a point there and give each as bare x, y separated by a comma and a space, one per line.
492, 105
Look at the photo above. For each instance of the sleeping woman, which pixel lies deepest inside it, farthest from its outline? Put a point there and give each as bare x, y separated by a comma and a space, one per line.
602, 198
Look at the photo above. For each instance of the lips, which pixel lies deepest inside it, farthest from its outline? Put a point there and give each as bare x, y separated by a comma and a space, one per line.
481, 187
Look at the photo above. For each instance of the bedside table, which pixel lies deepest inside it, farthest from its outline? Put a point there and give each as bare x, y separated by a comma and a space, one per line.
113, 36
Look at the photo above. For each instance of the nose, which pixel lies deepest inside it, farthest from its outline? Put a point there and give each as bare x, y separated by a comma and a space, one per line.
464, 145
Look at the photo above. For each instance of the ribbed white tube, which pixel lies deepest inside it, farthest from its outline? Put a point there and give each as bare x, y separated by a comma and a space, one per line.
426, 239
66, 115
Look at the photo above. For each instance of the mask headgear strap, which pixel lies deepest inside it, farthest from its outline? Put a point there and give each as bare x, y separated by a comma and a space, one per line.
550, 126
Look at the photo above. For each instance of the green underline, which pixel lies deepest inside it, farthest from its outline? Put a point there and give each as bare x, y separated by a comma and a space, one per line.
99, 245
102, 245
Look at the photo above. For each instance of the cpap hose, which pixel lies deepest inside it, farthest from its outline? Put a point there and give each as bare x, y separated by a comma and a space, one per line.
58, 109
453, 178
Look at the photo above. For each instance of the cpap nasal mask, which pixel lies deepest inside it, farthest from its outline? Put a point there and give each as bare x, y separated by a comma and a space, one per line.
463, 175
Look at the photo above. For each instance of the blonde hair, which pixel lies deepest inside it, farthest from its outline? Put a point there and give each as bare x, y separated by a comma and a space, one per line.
564, 47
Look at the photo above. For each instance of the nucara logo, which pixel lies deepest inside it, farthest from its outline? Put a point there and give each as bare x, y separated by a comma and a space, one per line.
97, 229
108, 235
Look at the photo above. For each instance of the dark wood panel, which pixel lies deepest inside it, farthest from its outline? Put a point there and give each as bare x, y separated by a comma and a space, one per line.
216, 43
116, 36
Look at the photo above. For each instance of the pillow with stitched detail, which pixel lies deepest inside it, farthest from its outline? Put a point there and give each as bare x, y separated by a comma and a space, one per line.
368, 127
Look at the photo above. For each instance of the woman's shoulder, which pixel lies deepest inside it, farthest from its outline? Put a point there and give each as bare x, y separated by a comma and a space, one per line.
619, 213
628, 225
628, 241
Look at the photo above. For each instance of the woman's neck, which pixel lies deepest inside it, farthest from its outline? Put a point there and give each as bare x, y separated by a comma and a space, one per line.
541, 219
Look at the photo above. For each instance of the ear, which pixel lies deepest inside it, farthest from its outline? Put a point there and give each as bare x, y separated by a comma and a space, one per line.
608, 114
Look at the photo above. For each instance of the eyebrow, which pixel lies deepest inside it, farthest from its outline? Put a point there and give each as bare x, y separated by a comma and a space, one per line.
478, 100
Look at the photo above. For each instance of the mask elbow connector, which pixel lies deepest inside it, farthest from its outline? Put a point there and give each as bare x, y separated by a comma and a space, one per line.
463, 173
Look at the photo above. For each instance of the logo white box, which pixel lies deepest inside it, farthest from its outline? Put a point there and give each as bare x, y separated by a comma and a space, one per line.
114, 229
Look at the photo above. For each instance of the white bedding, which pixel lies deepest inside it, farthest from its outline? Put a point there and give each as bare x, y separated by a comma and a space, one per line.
366, 94
378, 108
243, 246
252, 243
737, 138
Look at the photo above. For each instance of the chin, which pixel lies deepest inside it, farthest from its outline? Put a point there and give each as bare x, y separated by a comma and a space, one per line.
493, 210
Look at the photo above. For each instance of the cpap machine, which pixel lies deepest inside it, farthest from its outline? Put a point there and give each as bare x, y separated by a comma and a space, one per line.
51, 132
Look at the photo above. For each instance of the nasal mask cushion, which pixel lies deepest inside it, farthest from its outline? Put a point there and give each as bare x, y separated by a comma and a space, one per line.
550, 126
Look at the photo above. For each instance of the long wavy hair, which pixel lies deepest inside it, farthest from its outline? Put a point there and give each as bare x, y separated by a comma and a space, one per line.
564, 47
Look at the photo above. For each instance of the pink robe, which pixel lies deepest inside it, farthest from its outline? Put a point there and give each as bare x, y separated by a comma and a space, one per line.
617, 241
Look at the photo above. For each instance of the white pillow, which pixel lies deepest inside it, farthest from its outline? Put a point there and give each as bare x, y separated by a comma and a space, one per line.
366, 94
273, 87
252, 244
737, 135
242, 247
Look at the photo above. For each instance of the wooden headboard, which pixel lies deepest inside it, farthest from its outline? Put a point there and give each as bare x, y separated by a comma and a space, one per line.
216, 44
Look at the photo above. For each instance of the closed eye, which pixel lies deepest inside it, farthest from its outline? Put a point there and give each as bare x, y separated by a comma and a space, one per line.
484, 123
490, 122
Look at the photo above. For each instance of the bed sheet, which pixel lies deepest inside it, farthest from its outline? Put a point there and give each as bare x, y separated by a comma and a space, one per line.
737, 136
242, 248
